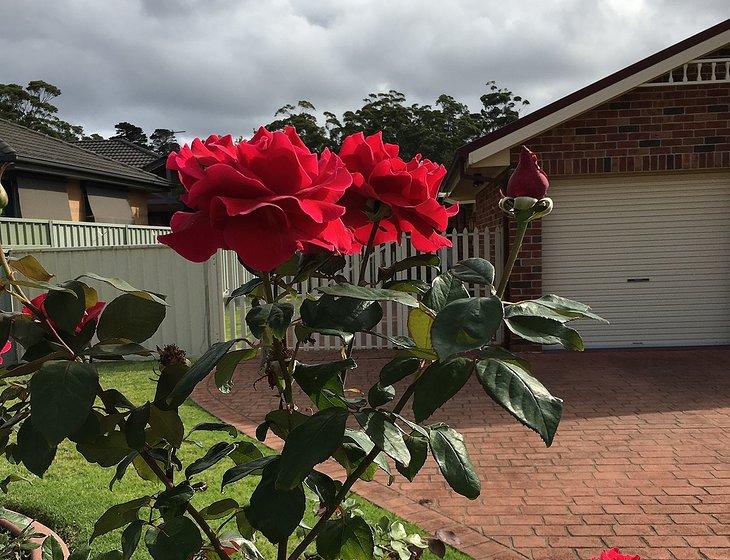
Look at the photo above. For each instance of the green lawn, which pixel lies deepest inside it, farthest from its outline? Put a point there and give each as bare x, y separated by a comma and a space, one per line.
74, 493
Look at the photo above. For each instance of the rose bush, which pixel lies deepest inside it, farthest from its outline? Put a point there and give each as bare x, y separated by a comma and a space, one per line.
290, 215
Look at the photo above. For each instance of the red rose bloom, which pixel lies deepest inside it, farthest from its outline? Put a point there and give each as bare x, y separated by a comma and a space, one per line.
615, 554
409, 189
91, 314
265, 198
528, 179
5, 350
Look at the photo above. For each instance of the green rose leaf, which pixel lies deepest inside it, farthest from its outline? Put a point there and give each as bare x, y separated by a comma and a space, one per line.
221, 508
380, 394
274, 512
118, 516
542, 330
197, 372
322, 383
466, 324
310, 443
244, 289
399, 368
234, 474
385, 434
51, 549
439, 382
370, 294
177, 539
166, 425
29, 267
346, 538
227, 366
417, 444
61, 396
275, 316
66, 309
449, 451
124, 286
474, 271
173, 501
506, 378
216, 453
445, 288
385, 273
346, 315
554, 307
106, 450
130, 538
131, 318
34, 451
135, 426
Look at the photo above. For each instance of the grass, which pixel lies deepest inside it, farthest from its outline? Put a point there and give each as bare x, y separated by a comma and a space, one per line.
73, 493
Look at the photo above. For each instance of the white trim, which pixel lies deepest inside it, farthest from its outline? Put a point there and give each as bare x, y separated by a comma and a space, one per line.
589, 102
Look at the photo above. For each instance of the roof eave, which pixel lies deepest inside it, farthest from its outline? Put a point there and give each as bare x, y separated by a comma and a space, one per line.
28, 164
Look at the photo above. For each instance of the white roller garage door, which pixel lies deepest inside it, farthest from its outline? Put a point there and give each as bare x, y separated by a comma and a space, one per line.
650, 255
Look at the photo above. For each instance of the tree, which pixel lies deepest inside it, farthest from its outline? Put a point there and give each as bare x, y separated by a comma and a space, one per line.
163, 141
32, 106
131, 133
433, 131
312, 134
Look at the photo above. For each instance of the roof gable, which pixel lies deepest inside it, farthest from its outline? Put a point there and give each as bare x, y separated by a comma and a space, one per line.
595, 94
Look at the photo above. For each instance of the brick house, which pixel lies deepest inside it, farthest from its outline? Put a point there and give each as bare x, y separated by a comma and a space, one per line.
639, 164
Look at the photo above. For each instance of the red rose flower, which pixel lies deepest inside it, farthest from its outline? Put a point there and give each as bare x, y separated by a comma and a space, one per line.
90, 314
5, 350
528, 179
615, 554
265, 198
409, 190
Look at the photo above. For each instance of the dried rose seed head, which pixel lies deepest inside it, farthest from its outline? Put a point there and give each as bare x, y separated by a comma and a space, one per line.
171, 354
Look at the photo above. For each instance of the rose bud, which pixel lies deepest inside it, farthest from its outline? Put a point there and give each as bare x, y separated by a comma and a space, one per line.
528, 179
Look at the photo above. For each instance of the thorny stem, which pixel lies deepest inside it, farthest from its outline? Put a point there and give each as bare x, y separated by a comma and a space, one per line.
278, 349
349, 482
194, 513
514, 251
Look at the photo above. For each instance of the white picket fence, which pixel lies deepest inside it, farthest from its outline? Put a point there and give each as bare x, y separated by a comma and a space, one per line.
465, 244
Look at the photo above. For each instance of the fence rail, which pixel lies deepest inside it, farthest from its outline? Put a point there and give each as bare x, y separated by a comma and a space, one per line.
465, 244
22, 233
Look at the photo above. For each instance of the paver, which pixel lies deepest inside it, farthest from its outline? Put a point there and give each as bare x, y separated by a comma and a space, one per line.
641, 460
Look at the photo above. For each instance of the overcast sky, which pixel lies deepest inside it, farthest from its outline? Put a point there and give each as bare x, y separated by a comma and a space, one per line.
226, 66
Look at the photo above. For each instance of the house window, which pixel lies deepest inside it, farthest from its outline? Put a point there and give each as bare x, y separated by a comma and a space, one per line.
109, 205
43, 198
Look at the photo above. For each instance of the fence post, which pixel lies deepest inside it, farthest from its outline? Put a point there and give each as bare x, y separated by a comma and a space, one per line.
52, 234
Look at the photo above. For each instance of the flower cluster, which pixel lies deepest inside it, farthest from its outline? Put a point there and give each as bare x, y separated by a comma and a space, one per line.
268, 197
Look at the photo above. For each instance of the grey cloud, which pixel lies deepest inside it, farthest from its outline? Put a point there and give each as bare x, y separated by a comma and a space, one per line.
204, 66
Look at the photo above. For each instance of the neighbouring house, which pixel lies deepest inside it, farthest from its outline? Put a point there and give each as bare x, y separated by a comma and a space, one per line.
639, 164
47, 178
160, 206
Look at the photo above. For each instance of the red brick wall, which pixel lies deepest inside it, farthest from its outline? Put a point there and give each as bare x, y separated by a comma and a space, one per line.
645, 130
659, 128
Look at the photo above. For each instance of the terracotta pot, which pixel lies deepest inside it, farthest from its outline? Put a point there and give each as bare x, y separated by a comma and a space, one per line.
15, 523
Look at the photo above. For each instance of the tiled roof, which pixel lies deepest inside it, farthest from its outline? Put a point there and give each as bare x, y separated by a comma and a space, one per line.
121, 150
27, 147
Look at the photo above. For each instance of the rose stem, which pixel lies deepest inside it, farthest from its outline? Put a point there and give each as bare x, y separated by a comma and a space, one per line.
349, 482
514, 251
194, 513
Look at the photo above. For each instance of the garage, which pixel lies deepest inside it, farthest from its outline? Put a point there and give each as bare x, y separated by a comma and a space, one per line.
651, 254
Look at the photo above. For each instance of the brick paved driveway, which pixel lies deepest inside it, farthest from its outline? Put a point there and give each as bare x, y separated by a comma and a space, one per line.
641, 460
